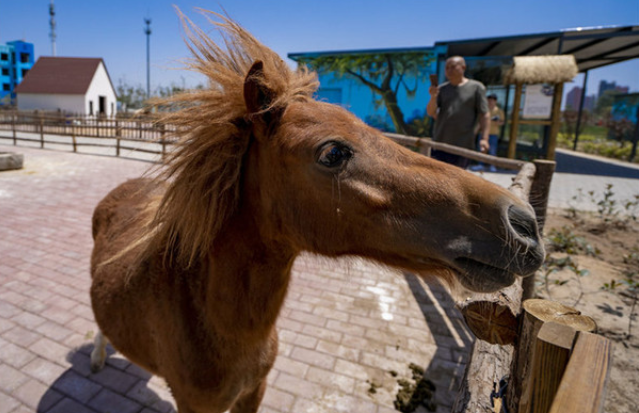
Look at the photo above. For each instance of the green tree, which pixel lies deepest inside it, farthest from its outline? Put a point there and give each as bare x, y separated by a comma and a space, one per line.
569, 124
605, 101
383, 73
131, 97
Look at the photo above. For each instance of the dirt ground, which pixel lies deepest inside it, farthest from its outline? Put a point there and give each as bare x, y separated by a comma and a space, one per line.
593, 265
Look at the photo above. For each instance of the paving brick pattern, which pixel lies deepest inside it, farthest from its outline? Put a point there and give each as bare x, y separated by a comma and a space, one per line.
346, 324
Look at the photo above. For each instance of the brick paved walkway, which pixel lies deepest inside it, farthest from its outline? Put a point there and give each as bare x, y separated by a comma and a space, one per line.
345, 324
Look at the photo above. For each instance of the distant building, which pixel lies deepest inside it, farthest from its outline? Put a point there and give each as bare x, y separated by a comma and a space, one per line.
16, 58
69, 84
604, 85
573, 100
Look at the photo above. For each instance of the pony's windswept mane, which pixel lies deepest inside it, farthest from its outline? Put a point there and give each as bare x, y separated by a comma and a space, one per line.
203, 172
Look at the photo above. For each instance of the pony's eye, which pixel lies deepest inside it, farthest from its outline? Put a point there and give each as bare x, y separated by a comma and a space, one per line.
334, 155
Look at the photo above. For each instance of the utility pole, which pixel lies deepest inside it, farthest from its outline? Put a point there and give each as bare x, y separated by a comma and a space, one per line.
52, 25
147, 31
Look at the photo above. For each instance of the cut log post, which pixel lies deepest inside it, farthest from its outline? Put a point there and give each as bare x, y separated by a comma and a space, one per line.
535, 313
493, 319
488, 364
540, 189
539, 192
584, 381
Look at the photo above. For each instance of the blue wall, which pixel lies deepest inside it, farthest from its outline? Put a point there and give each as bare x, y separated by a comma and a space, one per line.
360, 99
349, 92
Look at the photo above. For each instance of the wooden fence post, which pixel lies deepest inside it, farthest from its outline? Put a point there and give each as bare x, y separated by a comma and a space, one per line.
554, 127
492, 317
41, 132
13, 127
584, 381
534, 315
514, 122
551, 354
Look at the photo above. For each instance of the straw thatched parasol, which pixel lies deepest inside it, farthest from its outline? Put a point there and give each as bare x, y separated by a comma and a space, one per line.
541, 69
527, 70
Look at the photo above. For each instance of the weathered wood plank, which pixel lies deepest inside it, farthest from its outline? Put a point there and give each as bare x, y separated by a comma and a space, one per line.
583, 385
552, 352
535, 314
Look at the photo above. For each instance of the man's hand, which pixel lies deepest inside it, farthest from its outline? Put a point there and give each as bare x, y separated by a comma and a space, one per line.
431, 107
484, 146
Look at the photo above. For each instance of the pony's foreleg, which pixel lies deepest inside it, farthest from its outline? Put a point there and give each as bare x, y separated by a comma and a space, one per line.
250, 402
98, 355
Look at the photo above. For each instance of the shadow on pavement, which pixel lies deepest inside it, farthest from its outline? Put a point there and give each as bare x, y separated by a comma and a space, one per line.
119, 387
451, 337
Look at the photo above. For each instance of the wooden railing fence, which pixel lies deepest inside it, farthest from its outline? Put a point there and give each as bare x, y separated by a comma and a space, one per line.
551, 359
120, 130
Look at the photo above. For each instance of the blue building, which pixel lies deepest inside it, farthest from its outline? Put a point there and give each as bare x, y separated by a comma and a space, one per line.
357, 79
16, 58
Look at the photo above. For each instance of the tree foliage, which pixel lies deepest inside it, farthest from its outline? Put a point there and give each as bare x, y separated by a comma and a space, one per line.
130, 97
605, 101
134, 97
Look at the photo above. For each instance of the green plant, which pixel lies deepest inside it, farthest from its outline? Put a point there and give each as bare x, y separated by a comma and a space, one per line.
609, 210
629, 288
564, 240
552, 265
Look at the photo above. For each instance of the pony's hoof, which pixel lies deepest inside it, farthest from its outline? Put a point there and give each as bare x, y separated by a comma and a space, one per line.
97, 361
95, 368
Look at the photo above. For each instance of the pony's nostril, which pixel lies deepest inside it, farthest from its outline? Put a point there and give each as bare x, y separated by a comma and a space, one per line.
522, 222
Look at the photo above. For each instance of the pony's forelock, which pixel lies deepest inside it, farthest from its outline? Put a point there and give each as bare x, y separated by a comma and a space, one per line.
214, 130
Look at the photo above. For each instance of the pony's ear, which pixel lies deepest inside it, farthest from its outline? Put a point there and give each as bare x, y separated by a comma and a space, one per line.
256, 95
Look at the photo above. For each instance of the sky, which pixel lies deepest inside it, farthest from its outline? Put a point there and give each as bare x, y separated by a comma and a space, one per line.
114, 29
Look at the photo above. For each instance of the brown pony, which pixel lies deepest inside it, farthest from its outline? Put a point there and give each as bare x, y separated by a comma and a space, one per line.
190, 268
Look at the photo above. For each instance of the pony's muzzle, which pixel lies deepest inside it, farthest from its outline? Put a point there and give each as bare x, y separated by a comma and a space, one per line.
525, 239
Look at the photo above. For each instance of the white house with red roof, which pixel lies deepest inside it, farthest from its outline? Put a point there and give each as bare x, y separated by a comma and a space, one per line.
69, 84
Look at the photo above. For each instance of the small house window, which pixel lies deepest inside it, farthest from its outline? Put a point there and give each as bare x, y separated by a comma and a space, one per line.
4, 56
6, 87
24, 57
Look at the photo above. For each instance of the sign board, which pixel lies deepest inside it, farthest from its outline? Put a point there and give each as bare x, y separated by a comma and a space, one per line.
538, 102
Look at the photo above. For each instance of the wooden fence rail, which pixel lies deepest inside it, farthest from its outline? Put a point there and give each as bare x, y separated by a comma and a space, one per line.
137, 129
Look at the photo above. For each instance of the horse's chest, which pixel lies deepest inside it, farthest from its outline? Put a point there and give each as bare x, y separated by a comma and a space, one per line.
219, 377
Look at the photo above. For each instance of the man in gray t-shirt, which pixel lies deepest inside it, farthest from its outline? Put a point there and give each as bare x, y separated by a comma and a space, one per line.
457, 106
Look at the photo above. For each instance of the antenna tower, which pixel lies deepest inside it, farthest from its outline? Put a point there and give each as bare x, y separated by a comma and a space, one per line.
52, 35
147, 31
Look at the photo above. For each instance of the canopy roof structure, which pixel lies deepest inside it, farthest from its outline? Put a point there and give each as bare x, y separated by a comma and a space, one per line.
592, 47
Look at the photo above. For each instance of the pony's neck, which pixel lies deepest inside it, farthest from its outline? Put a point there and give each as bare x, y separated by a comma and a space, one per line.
247, 281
